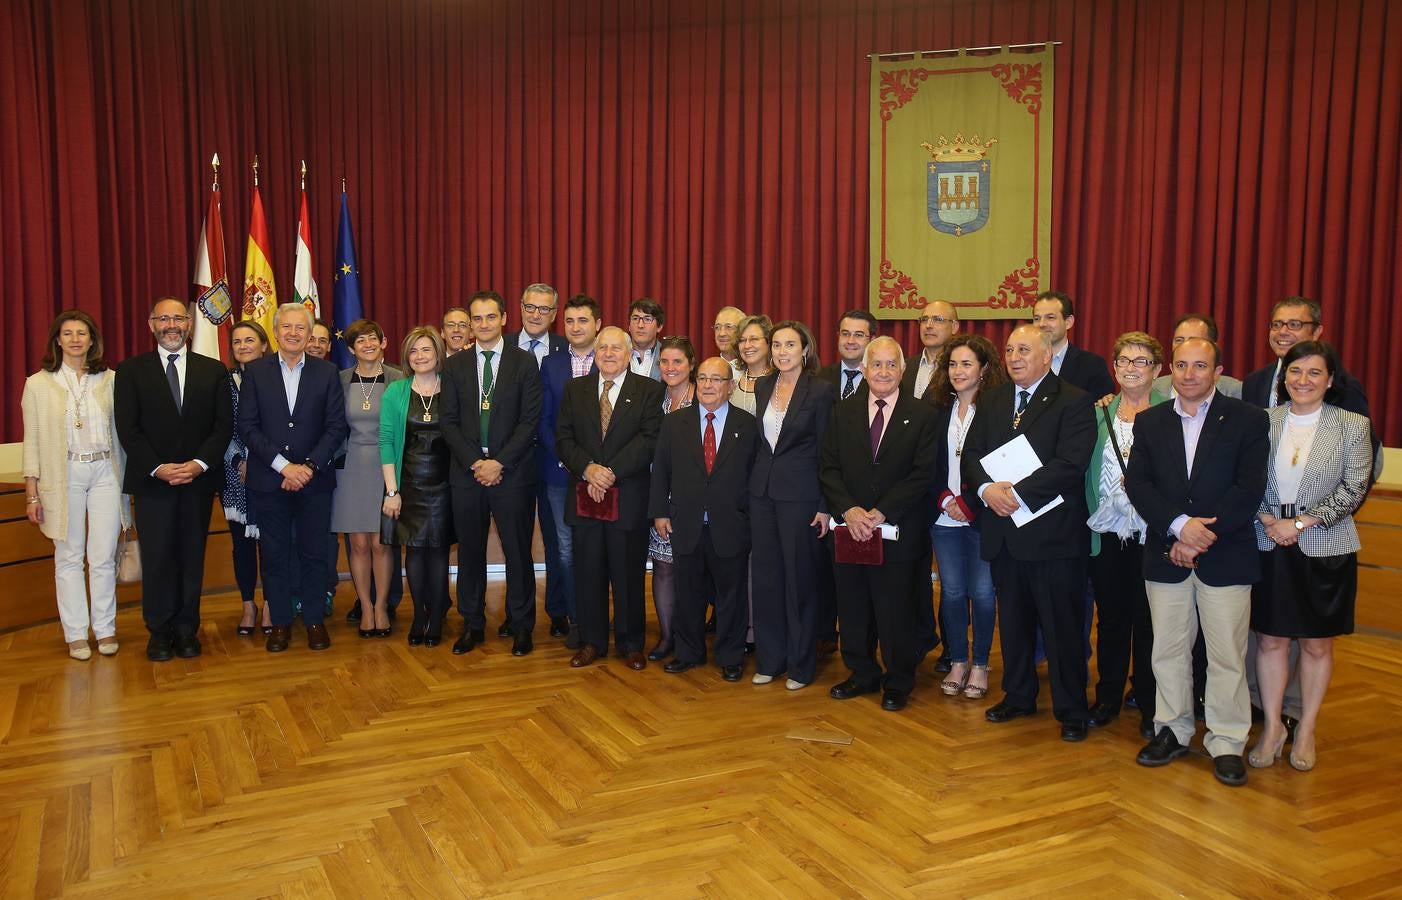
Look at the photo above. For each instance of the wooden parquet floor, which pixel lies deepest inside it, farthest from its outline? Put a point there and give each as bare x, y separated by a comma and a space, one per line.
380, 770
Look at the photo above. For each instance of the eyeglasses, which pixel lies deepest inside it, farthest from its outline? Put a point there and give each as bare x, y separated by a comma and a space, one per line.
533, 310
641, 319
934, 320
1291, 324
712, 379
723, 326
859, 335
1139, 362
455, 326
170, 320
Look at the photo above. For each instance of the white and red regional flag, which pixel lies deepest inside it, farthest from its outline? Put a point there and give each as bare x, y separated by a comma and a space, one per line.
303, 278
213, 306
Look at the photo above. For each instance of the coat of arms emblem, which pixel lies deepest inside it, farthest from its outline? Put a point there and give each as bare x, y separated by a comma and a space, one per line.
959, 184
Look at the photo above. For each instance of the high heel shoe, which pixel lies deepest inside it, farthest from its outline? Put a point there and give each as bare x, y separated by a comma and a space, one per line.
1263, 757
977, 691
955, 683
660, 651
1301, 761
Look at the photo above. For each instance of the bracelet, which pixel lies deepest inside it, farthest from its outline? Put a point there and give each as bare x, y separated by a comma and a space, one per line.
31, 499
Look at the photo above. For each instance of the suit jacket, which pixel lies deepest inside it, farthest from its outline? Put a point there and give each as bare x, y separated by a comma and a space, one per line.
684, 492
1087, 371
897, 481
555, 343
1256, 389
555, 373
1226, 385
627, 450
912, 371
939, 472
1333, 485
789, 471
313, 430
1060, 425
153, 431
513, 417
1228, 481
832, 374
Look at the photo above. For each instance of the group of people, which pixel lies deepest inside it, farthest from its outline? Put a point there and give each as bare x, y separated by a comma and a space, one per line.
1208, 521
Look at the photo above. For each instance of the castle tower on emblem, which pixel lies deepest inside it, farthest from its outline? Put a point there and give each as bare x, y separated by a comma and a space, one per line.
959, 184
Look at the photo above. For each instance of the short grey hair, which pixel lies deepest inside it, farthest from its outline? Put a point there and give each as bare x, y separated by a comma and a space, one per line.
289, 307
540, 287
883, 341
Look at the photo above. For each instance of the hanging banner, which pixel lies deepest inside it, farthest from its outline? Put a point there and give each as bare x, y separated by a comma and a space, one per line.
960, 168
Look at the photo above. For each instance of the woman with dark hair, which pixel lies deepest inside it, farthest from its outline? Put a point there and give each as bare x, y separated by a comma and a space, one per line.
247, 342
787, 514
72, 489
1321, 460
752, 349
969, 364
677, 360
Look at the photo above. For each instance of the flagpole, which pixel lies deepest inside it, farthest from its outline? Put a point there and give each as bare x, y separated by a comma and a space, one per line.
214, 164
304, 174
255, 170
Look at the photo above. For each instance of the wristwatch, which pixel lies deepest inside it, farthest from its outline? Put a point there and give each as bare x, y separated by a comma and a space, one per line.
1299, 526
310, 465
391, 493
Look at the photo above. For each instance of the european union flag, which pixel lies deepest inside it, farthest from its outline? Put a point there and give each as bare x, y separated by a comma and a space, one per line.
347, 306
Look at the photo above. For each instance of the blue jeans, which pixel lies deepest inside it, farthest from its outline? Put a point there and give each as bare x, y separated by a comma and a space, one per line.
559, 570
965, 580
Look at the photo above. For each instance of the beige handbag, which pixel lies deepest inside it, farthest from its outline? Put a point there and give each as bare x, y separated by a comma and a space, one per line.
128, 557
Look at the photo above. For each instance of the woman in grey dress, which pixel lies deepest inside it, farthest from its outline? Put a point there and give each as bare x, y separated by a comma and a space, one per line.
355, 507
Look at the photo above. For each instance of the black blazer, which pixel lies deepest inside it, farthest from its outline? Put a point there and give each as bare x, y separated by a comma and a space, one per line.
153, 431
514, 414
832, 374
912, 371
789, 471
1228, 481
313, 431
897, 482
939, 473
627, 450
1060, 426
1087, 371
685, 493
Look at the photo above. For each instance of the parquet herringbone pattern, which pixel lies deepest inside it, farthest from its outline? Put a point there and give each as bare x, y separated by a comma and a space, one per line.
377, 769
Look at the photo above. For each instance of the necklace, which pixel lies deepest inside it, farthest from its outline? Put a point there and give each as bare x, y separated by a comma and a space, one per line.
1126, 437
367, 394
961, 426
681, 404
1296, 445
78, 395
427, 400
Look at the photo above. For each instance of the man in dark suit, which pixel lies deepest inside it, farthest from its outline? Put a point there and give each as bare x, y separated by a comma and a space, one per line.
292, 417
606, 436
645, 320
1055, 314
174, 417
878, 454
491, 406
582, 322
1197, 475
1040, 567
700, 499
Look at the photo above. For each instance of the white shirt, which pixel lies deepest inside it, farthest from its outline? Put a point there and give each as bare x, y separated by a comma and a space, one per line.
923, 374
640, 361
613, 391
1275, 380
542, 346
1192, 431
81, 405
291, 382
1296, 437
954, 439
482, 360
1059, 357
842, 371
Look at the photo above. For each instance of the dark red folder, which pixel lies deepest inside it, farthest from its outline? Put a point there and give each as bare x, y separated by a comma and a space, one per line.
853, 552
584, 505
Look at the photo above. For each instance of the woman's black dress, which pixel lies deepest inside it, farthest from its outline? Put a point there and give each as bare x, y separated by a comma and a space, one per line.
426, 510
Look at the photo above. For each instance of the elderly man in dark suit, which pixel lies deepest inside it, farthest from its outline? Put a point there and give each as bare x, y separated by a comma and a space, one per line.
877, 457
700, 499
606, 437
1197, 475
292, 418
491, 406
174, 416
1040, 566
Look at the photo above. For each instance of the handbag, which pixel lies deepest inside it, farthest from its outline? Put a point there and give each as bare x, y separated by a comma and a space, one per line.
128, 557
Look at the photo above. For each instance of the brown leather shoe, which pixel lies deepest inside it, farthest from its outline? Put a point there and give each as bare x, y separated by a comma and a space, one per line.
317, 638
636, 661
278, 638
587, 656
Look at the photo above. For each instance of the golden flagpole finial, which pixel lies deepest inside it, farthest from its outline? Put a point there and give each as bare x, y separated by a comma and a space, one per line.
304, 174
343, 184
214, 164
255, 170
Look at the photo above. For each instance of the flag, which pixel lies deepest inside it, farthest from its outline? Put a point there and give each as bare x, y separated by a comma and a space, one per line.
259, 290
213, 305
303, 278
346, 303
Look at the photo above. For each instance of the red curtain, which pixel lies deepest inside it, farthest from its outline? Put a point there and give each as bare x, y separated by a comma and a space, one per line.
1211, 156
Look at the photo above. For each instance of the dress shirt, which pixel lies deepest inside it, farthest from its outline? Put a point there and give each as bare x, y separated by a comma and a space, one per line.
1059, 357
887, 409
953, 480
482, 361
842, 371
1031, 396
80, 405
542, 346
1275, 380
579, 365
641, 360
1192, 430
291, 382
721, 412
617, 386
181, 356
923, 374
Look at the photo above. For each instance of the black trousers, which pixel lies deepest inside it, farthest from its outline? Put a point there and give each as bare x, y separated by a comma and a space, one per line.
427, 571
1050, 593
173, 526
728, 574
281, 515
245, 561
827, 591
877, 606
513, 508
606, 556
1123, 624
787, 551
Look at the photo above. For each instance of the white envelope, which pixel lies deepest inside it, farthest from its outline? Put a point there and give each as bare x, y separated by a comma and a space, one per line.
1013, 462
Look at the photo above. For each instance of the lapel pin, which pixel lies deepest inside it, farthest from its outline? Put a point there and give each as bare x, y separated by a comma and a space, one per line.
905, 421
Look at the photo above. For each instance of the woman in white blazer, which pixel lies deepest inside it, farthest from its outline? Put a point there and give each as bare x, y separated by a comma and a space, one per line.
1320, 463
72, 480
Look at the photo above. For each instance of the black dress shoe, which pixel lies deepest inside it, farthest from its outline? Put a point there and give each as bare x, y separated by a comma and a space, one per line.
943, 665
1230, 769
468, 641
677, 666
415, 639
433, 638
850, 688
278, 638
187, 646
573, 641
1146, 729
1102, 714
160, 647
1073, 730
505, 630
732, 673
660, 652
1130, 701
317, 638
1006, 712
1162, 750
522, 644
894, 701
354, 614
559, 626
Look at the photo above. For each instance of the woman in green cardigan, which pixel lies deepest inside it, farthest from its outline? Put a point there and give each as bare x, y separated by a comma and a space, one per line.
417, 510
1117, 537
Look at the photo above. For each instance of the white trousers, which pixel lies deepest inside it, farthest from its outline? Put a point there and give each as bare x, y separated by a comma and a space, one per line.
94, 513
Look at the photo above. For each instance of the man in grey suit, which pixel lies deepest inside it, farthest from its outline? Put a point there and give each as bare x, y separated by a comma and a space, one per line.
1197, 325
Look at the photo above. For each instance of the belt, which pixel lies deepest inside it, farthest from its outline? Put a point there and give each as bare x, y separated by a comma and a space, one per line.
1287, 511
91, 456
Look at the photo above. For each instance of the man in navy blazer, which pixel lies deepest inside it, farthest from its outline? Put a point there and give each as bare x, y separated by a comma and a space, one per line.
292, 417
1055, 314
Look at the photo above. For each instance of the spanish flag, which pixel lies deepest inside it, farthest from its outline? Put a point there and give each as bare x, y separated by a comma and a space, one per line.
259, 290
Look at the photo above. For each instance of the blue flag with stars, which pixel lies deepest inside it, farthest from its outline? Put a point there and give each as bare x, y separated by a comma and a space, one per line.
347, 305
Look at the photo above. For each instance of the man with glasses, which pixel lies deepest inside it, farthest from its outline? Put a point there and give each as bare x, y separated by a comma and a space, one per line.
855, 330
538, 306
938, 323
727, 320
1055, 314
456, 330
1196, 325
319, 344
645, 320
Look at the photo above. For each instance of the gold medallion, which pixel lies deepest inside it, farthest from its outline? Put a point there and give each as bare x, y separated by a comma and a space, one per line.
365, 406
486, 405
77, 423
428, 416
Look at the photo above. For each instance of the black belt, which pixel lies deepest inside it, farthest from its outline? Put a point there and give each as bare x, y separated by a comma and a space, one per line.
1287, 510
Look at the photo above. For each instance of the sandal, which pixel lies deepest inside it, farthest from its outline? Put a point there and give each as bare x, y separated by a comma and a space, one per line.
977, 691
958, 676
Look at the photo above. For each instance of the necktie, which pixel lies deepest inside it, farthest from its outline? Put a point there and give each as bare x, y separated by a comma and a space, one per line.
486, 410
877, 423
1022, 398
708, 444
851, 384
605, 409
174, 378
535, 342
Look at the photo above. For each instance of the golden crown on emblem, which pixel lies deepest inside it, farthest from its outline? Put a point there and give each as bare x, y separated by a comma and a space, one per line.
960, 149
